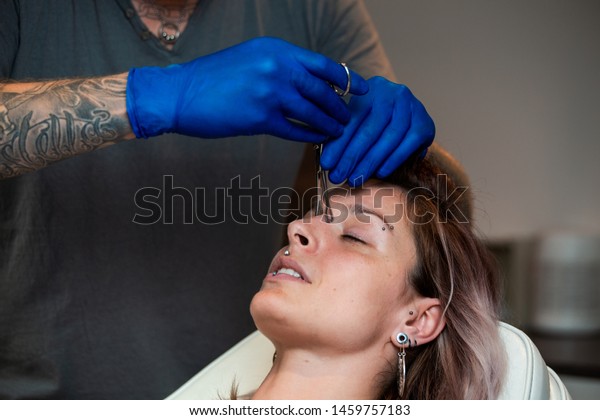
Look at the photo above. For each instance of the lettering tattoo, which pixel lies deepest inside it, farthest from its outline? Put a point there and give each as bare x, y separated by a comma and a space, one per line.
44, 122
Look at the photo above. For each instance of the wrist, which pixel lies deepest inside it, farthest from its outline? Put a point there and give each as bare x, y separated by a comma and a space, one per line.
131, 108
149, 101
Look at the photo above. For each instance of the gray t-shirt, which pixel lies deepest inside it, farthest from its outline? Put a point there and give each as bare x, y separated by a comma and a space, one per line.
126, 270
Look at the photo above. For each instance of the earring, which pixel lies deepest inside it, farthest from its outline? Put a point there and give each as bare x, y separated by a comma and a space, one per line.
286, 252
402, 339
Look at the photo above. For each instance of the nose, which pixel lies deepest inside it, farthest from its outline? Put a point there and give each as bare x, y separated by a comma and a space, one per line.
301, 234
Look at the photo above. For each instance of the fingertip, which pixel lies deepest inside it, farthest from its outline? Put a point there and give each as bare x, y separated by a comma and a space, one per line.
336, 178
326, 161
333, 148
316, 140
382, 173
359, 86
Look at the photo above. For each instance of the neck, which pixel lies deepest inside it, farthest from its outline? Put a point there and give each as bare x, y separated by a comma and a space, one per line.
166, 19
300, 374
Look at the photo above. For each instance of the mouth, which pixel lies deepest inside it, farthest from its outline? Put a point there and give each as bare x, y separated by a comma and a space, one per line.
286, 268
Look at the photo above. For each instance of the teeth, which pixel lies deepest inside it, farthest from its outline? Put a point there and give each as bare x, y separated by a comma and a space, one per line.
290, 272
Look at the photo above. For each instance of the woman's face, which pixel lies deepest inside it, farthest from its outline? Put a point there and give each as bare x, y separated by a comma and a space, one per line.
344, 284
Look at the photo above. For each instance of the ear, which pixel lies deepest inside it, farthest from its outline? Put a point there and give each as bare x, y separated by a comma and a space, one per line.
424, 324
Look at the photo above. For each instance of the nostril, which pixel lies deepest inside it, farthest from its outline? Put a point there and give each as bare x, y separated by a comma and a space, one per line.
303, 239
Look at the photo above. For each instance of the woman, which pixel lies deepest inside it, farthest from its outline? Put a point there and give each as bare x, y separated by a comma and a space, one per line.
390, 295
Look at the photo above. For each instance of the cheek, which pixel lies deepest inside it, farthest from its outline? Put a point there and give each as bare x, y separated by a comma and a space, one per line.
365, 292
355, 318
387, 291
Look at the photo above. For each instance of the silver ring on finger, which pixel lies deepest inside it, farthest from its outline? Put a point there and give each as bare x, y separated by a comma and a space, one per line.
344, 92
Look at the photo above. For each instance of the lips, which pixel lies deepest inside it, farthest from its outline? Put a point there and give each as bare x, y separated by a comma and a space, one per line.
285, 266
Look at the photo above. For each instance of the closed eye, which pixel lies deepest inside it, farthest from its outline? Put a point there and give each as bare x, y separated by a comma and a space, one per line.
353, 238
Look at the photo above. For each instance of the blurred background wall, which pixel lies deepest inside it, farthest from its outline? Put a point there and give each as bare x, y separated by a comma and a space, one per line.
514, 89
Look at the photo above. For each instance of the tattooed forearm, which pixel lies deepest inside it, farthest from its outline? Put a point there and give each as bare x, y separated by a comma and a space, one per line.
44, 122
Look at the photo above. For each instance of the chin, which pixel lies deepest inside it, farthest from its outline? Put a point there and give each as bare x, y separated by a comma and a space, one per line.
271, 316
264, 310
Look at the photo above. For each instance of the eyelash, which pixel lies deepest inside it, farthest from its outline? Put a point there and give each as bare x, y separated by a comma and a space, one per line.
353, 238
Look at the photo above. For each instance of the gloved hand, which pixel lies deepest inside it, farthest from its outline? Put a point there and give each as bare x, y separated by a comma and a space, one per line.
262, 86
387, 126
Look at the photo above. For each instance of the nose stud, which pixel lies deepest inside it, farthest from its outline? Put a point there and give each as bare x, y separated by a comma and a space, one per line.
286, 252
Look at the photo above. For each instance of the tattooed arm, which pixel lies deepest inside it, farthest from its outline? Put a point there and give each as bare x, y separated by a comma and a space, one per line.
44, 122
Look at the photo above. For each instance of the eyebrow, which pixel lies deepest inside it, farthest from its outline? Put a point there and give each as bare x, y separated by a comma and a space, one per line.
360, 209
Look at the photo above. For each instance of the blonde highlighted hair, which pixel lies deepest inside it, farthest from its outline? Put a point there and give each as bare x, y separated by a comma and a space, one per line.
467, 360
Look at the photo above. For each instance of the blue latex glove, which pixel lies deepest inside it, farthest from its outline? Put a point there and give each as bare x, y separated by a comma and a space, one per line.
387, 126
262, 86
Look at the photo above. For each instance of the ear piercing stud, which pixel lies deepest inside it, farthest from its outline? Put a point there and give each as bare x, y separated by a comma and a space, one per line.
402, 338
404, 341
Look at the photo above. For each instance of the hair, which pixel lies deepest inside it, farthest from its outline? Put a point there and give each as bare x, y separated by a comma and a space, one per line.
466, 361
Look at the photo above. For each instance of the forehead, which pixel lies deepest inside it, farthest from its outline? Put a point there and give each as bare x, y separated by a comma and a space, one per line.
374, 197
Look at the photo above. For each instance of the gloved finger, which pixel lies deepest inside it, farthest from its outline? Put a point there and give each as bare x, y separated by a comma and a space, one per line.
389, 140
311, 115
334, 148
290, 130
398, 157
420, 135
332, 72
356, 82
321, 94
365, 136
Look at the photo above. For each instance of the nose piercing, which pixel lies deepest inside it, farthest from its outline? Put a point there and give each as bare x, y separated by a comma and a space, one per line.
286, 252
